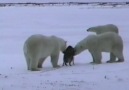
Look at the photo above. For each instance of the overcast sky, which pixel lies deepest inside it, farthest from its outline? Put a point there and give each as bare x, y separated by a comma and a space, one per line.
43, 1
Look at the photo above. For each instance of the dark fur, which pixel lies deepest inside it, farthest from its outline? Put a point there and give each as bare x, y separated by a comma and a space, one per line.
68, 55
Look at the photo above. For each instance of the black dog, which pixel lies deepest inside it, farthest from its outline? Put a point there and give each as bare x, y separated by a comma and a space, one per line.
68, 55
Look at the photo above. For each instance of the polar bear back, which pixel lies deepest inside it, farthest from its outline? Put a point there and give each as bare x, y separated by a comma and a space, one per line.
103, 42
48, 44
109, 40
104, 28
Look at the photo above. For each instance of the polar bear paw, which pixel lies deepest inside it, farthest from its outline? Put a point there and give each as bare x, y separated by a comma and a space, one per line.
95, 62
110, 61
35, 69
120, 60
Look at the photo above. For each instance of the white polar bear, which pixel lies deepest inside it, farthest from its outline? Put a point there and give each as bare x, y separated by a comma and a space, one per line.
104, 28
106, 42
38, 47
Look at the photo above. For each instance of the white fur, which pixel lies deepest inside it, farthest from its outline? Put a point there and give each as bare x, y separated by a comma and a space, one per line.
106, 42
104, 28
38, 47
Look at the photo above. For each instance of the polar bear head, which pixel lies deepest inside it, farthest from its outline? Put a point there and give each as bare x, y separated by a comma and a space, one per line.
96, 29
79, 47
63, 46
92, 29
61, 43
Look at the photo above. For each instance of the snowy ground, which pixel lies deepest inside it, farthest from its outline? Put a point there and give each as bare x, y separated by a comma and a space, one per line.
70, 23
46, 1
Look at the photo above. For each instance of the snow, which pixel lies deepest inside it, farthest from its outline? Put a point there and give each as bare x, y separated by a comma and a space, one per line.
70, 23
46, 1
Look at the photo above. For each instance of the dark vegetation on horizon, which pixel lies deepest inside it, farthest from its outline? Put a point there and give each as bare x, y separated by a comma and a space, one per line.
114, 4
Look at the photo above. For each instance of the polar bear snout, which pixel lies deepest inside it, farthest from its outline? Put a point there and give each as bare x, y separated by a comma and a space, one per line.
88, 30
91, 29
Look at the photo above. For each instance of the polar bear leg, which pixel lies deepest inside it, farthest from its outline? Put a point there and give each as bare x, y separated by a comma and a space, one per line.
97, 56
119, 54
54, 60
93, 59
41, 62
112, 58
34, 64
27, 61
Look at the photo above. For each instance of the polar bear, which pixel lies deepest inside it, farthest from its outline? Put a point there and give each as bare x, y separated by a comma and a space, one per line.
38, 47
106, 42
104, 28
